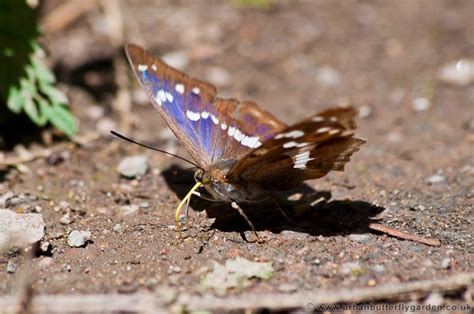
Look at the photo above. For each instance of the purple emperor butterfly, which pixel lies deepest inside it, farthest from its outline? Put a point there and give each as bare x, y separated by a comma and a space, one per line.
242, 152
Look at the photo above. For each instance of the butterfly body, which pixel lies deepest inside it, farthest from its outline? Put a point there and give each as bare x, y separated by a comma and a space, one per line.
216, 182
243, 152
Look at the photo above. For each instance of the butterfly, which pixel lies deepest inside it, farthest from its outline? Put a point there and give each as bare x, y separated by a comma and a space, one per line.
242, 152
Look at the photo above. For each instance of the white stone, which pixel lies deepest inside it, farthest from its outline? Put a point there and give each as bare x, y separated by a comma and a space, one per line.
133, 166
19, 230
460, 72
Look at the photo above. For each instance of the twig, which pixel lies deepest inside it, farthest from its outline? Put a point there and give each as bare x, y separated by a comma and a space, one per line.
65, 14
147, 302
403, 235
45, 152
122, 103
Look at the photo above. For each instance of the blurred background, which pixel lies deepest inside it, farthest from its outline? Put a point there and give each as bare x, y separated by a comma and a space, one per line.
291, 57
407, 65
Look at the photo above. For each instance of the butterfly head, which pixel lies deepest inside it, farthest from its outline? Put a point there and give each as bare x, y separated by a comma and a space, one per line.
202, 176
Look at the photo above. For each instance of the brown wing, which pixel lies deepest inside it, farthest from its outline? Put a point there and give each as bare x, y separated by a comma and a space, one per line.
306, 150
244, 126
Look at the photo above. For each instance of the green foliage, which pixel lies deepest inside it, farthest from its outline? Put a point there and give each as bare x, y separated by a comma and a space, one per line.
26, 84
253, 3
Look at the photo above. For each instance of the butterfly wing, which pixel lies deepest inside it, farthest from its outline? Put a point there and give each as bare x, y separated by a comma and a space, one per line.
210, 128
245, 127
306, 150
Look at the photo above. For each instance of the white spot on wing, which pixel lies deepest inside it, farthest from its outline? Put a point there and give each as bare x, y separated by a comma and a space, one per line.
301, 160
318, 119
153, 66
294, 144
193, 116
239, 136
158, 100
323, 130
258, 144
290, 144
179, 88
214, 119
196, 90
223, 126
169, 96
291, 134
231, 131
333, 119
250, 141
142, 67
161, 95
334, 131
204, 114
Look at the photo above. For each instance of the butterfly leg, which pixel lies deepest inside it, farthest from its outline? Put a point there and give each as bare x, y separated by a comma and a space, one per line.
186, 211
241, 212
282, 212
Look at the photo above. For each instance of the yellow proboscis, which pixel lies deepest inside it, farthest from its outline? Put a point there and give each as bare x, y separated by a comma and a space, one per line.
181, 204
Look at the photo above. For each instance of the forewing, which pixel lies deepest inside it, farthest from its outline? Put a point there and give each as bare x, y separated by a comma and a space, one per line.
306, 150
210, 128
179, 99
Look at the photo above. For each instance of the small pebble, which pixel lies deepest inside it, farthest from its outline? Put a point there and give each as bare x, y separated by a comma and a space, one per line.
11, 267
128, 209
117, 228
66, 219
446, 263
435, 299
177, 59
360, 238
54, 159
95, 112
460, 72
174, 269
365, 111
352, 268
78, 238
133, 166
218, 76
4, 198
421, 104
394, 137
287, 287
45, 246
145, 205
45, 262
378, 268
327, 76
104, 125
435, 179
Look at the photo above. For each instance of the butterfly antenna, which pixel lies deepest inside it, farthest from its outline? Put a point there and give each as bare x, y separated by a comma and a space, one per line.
152, 148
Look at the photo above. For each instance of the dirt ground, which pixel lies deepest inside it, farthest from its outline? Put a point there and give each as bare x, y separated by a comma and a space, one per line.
416, 173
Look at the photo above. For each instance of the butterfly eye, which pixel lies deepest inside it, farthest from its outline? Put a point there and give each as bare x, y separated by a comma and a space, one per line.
206, 178
198, 175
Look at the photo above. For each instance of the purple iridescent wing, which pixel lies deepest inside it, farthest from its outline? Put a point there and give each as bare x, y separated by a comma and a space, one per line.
210, 128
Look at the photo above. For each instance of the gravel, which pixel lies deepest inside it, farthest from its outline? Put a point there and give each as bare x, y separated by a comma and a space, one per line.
78, 238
